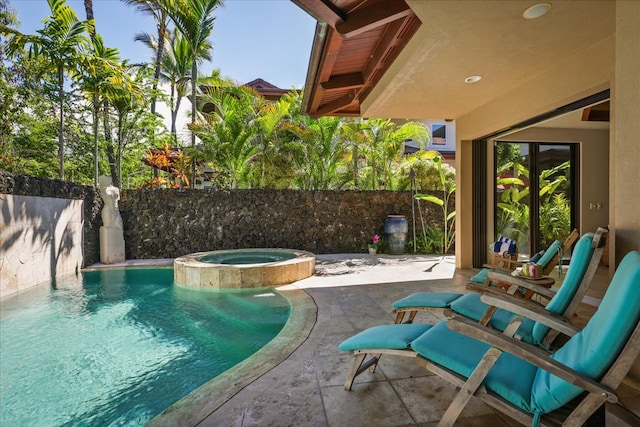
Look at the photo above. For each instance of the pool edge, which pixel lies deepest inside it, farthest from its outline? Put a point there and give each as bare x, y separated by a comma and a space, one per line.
206, 399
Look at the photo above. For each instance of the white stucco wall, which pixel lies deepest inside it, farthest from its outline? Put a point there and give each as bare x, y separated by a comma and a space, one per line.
40, 238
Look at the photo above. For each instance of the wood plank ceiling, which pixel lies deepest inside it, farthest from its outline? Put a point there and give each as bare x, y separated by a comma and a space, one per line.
356, 41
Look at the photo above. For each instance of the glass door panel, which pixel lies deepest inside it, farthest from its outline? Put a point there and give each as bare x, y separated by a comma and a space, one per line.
534, 193
555, 201
512, 193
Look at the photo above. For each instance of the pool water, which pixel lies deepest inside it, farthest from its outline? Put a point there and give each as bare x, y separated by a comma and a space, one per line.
120, 346
246, 257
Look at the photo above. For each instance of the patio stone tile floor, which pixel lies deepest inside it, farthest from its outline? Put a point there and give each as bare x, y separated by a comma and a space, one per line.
354, 292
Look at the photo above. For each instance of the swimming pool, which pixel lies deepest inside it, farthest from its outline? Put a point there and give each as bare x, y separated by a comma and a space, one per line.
122, 345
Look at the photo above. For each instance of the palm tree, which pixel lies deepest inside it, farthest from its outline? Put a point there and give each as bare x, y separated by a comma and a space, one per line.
194, 19
383, 148
176, 69
158, 9
274, 119
320, 152
125, 97
228, 131
60, 42
101, 72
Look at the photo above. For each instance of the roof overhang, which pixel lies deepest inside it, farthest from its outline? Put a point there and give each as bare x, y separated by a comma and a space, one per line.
355, 42
409, 59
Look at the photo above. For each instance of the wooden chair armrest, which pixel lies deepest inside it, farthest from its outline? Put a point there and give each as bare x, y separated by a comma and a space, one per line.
522, 283
499, 268
482, 288
531, 354
530, 310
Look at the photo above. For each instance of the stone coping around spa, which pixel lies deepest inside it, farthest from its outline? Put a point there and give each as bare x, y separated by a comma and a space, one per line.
190, 270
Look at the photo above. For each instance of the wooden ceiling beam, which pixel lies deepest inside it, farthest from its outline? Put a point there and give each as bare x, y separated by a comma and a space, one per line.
372, 16
322, 11
345, 81
387, 43
336, 105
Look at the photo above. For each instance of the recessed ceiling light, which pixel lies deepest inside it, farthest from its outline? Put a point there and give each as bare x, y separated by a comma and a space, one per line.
472, 79
537, 10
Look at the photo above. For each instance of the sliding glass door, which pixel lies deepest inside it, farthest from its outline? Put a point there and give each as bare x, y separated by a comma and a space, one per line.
535, 188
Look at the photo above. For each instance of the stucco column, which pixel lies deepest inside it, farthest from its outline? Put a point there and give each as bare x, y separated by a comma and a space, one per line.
464, 217
625, 149
625, 133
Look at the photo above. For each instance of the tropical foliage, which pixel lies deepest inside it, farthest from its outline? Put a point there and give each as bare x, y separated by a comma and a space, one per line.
441, 239
513, 199
241, 139
65, 70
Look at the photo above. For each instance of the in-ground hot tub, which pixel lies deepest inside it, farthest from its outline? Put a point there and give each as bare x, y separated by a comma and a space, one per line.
243, 268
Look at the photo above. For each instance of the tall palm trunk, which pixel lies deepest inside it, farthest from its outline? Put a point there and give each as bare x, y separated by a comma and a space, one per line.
61, 128
111, 152
175, 106
88, 7
96, 115
194, 102
120, 148
162, 29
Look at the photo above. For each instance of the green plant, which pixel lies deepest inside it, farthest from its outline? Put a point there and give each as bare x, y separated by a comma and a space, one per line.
448, 188
430, 242
555, 219
513, 207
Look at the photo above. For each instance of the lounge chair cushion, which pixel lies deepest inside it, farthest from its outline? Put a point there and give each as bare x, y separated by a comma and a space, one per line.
481, 277
427, 299
551, 251
396, 337
461, 354
593, 350
580, 260
470, 306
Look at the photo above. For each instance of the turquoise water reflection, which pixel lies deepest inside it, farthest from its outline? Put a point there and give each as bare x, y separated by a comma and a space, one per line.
119, 346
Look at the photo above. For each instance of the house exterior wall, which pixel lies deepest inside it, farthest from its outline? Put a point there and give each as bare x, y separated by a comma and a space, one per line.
624, 202
624, 172
612, 64
584, 74
449, 145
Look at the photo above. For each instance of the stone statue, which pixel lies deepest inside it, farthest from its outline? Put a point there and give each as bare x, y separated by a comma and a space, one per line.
112, 232
110, 195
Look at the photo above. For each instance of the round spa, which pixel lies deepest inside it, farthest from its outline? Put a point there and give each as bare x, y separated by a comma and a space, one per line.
243, 268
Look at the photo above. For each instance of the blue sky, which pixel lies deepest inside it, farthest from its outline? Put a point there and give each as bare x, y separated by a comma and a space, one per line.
268, 39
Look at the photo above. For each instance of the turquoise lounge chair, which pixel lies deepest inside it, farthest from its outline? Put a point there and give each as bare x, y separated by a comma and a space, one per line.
586, 257
546, 261
518, 379
395, 339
